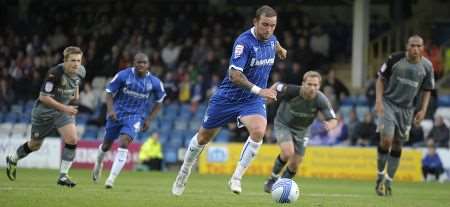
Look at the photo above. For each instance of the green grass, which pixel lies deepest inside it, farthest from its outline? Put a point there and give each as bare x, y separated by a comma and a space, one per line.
35, 187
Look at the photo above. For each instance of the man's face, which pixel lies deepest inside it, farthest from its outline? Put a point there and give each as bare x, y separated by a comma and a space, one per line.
310, 87
141, 64
265, 26
72, 63
415, 47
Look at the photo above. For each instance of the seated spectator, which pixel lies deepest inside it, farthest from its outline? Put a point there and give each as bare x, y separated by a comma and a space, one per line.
340, 90
416, 136
431, 163
150, 154
439, 133
352, 124
366, 131
88, 99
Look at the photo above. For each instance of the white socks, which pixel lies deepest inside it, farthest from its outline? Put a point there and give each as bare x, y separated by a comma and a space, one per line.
192, 153
119, 162
248, 153
65, 166
100, 155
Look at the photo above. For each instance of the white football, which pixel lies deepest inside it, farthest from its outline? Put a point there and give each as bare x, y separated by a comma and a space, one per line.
285, 191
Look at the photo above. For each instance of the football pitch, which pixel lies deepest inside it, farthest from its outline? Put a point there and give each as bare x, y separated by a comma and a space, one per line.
37, 187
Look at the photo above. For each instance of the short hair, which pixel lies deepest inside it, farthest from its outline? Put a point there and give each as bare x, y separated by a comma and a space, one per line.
266, 11
312, 74
71, 50
415, 36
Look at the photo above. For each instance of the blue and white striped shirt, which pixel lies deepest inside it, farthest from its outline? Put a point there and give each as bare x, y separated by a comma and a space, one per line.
132, 95
255, 59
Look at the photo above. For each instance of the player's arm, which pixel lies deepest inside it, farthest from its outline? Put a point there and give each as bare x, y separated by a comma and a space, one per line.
49, 89
379, 89
109, 107
281, 52
238, 78
286, 91
113, 86
160, 94
326, 109
427, 86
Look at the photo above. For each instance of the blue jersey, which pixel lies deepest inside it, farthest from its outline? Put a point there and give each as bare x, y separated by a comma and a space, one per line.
133, 95
255, 59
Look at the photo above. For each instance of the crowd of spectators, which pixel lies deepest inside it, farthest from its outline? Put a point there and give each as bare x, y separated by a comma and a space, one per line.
188, 45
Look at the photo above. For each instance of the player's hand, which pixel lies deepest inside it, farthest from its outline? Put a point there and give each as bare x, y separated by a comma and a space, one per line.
145, 126
281, 52
420, 115
379, 108
71, 110
112, 115
269, 94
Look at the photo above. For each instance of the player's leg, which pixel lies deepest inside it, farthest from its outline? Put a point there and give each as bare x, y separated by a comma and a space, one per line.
256, 126
392, 165
300, 143
196, 145
120, 159
69, 134
38, 133
217, 115
287, 151
386, 127
112, 129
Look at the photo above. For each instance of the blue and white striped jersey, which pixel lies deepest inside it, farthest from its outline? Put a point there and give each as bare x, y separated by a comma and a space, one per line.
255, 59
132, 95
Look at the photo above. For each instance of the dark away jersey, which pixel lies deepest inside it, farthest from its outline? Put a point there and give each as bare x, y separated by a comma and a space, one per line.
298, 113
60, 86
403, 80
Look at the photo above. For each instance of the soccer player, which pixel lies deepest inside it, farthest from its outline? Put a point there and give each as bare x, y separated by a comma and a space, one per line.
240, 97
128, 96
400, 79
298, 108
52, 112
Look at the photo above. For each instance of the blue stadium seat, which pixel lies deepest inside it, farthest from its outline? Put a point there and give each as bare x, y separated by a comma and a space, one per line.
90, 132
11, 117
170, 155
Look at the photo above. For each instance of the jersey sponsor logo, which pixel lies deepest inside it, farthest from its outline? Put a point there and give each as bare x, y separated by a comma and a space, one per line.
48, 87
405, 81
134, 93
262, 62
238, 50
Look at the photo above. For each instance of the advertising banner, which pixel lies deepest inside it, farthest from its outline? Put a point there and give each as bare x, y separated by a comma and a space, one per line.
319, 162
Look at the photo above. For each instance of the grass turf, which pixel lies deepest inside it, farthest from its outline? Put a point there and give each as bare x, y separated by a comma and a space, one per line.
37, 187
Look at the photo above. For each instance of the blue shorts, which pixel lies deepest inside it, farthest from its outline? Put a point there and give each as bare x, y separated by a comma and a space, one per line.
130, 127
219, 113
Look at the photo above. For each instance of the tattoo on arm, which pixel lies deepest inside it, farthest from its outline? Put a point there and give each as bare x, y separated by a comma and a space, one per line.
238, 78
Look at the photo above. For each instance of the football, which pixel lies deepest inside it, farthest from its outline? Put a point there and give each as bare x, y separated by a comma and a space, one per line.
285, 191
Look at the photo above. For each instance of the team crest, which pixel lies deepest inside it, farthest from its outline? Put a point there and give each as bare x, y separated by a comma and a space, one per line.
238, 50
48, 87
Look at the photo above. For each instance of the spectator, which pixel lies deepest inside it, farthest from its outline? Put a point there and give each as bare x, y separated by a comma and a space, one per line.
150, 154
366, 131
439, 133
352, 124
88, 99
339, 88
431, 163
416, 136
